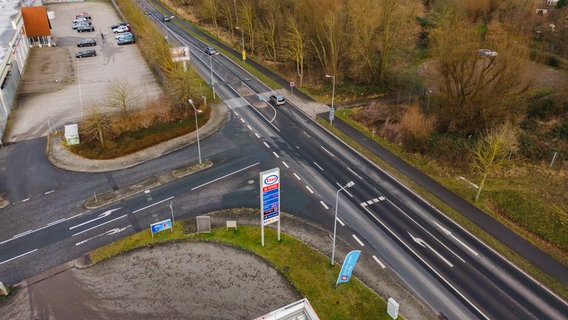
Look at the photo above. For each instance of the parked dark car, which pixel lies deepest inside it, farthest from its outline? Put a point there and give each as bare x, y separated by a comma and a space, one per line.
86, 53
86, 29
87, 43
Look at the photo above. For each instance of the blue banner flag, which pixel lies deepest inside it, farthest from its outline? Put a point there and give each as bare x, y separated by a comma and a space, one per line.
348, 266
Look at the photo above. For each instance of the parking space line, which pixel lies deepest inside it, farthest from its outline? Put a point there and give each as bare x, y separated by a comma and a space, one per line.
358, 241
379, 262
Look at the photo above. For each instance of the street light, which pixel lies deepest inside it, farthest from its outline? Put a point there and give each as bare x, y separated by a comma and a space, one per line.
197, 128
348, 185
211, 70
243, 40
332, 95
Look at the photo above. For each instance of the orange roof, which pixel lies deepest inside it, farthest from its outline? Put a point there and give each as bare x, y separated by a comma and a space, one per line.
36, 21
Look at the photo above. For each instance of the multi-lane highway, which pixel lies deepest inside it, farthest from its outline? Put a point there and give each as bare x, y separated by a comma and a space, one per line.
451, 270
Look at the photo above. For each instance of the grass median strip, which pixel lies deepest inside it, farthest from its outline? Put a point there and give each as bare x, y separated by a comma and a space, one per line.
308, 270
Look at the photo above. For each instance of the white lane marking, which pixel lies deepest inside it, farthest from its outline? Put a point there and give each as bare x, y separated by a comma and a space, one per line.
50, 191
99, 225
331, 154
56, 222
340, 222
100, 216
249, 127
317, 165
354, 173
297, 176
382, 198
26, 199
358, 241
227, 175
276, 155
266, 144
106, 233
16, 257
427, 232
424, 244
256, 134
242, 120
425, 263
310, 190
285, 164
447, 232
236, 113
22, 234
379, 262
375, 200
324, 205
297, 147
363, 204
153, 204
370, 202
307, 135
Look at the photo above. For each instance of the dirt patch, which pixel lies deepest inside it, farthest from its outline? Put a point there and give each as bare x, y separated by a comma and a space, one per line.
47, 69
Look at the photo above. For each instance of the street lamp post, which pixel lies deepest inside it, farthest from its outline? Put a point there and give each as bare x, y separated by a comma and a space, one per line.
211, 71
332, 95
196, 128
348, 185
243, 41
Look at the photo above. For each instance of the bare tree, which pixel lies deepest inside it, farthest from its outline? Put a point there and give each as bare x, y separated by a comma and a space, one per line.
293, 42
121, 96
212, 12
97, 125
491, 150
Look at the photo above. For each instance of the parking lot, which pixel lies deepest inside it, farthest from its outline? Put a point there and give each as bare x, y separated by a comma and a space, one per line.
60, 88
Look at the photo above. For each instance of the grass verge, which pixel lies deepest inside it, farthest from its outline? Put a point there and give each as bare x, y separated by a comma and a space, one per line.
306, 269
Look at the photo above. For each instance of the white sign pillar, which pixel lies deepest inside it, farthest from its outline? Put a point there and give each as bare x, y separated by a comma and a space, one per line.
269, 200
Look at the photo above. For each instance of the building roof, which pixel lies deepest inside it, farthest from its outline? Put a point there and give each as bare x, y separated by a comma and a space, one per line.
36, 21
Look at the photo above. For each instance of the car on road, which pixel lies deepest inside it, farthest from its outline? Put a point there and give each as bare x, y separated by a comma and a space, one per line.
126, 40
121, 29
87, 43
86, 53
277, 99
211, 51
167, 18
86, 29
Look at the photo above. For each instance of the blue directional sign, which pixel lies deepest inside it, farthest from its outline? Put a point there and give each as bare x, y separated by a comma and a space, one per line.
348, 266
161, 226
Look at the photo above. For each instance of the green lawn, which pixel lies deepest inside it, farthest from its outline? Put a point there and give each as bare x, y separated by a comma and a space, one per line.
308, 270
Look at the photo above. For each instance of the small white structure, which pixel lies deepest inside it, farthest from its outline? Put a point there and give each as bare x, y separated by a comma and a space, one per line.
392, 308
72, 134
551, 2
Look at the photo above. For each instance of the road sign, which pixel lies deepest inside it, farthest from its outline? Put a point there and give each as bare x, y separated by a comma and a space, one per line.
269, 199
331, 114
161, 226
292, 84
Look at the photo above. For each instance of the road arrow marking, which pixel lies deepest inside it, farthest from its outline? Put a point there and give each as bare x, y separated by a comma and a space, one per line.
447, 232
426, 245
100, 216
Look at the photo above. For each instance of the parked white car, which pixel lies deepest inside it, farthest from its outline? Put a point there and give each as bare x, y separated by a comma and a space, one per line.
120, 29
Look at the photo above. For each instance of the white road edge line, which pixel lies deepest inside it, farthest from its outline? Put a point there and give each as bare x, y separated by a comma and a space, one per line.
153, 204
56, 222
50, 191
249, 127
324, 205
310, 190
358, 240
16, 257
266, 144
276, 155
98, 225
22, 234
256, 134
285, 164
297, 176
340, 222
26, 199
446, 231
378, 261
227, 175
